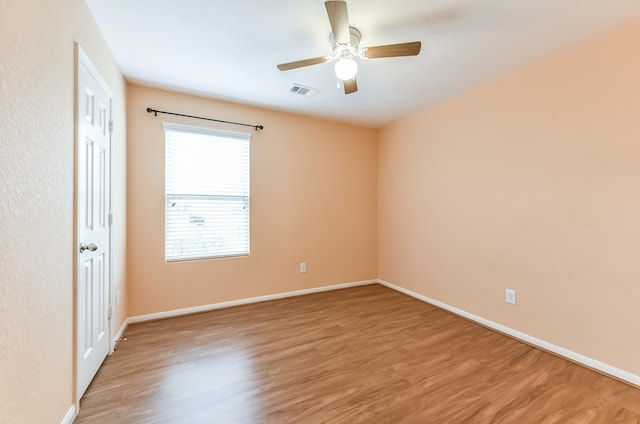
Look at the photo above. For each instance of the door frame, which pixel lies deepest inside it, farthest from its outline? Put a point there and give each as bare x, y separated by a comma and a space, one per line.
82, 59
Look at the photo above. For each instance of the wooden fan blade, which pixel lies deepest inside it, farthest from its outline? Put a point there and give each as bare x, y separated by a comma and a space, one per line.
393, 50
350, 86
339, 19
302, 63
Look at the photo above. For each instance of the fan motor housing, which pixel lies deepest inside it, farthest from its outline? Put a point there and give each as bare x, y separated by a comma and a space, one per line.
349, 49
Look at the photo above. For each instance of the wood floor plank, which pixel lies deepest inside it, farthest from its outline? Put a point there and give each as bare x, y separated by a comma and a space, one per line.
360, 355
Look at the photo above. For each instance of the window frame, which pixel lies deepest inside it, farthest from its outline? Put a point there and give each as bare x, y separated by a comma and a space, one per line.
245, 199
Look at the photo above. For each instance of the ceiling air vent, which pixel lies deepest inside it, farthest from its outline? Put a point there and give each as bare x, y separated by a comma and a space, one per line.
303, 90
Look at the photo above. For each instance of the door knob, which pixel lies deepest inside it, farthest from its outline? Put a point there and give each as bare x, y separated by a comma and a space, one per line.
91, 247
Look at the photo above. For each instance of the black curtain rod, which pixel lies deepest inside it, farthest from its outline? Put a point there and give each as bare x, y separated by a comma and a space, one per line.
156, 112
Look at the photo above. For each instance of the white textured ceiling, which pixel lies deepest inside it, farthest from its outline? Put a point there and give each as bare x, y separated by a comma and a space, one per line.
230, 49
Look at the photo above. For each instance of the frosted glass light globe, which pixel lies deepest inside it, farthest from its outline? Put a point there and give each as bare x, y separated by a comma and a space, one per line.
346, 69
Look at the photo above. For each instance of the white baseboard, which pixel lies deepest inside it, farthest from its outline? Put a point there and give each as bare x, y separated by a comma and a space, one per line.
572, 356
221, 305
119, 334
71, 415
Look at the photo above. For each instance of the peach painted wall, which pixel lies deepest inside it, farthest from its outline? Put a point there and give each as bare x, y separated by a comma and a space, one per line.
313, 200
533, 183
37, 96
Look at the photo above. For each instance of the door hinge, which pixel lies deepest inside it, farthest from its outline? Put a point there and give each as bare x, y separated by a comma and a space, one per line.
109, 312
110, 219
110, 126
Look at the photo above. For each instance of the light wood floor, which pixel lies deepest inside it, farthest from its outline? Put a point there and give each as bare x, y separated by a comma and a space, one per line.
360, 355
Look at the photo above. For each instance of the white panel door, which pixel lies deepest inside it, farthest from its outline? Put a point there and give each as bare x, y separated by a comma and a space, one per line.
93, 198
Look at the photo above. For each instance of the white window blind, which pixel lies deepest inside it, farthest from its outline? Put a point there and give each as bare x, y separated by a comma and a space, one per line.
206, 193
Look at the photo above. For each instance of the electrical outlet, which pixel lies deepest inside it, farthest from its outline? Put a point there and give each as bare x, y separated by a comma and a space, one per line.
510, 296
303, 267
117, 298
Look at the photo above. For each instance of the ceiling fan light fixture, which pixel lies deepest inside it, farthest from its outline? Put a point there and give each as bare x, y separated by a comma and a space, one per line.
345, 43
346, 68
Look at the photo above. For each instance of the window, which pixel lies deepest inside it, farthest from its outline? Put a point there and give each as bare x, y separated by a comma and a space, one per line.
206, 193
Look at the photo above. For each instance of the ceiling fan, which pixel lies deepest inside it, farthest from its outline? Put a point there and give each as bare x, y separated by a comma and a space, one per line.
345, 41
